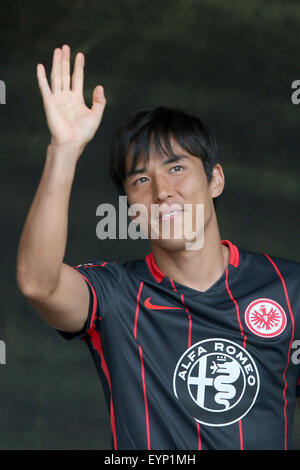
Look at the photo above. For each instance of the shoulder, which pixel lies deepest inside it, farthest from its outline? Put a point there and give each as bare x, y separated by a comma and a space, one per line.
283, 267
100, 270
115, 269
97, 264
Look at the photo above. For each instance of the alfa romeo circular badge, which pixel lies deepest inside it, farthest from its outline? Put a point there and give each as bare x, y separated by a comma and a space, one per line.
217, 381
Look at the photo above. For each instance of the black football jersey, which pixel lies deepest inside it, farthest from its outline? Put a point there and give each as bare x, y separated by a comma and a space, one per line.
188, 370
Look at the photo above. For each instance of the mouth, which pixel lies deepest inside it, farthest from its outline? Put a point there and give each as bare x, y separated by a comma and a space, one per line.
169, 215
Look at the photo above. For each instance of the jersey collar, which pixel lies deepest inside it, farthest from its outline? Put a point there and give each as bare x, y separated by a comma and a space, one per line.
159, 275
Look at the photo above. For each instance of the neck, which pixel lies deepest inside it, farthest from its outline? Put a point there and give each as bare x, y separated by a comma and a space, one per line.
198, 269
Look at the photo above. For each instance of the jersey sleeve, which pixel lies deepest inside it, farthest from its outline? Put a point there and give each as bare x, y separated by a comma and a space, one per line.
102, 279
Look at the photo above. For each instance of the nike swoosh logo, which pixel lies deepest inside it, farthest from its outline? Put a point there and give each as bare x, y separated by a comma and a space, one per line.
148, 304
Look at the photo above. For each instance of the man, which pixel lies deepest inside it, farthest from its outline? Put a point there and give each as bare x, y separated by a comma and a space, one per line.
193, 346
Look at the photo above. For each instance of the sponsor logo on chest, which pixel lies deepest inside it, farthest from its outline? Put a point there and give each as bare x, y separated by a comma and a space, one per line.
217, 381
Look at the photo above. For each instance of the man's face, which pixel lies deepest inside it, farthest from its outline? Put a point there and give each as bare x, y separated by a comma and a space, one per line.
164, 186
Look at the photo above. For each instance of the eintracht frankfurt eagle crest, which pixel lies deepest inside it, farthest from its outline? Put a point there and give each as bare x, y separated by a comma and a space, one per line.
265, 317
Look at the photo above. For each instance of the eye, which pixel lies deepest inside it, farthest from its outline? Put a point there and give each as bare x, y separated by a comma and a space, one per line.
139, 180
177, 168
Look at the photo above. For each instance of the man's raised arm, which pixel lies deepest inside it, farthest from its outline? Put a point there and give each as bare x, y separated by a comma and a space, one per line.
57, 291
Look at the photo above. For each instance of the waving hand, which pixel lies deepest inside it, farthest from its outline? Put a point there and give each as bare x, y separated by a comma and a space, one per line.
69, 120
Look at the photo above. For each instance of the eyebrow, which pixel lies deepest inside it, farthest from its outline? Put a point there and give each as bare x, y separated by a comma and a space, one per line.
174, 159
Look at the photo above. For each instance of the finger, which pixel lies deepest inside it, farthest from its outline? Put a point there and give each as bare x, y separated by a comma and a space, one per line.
99, 101
77, 77
56, 71
66, 67
43, 82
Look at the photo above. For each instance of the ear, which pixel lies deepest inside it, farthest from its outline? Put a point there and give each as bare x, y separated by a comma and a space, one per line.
217, 182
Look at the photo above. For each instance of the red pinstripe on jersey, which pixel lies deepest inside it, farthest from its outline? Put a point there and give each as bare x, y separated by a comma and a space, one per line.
189, 344
173, 285
199, 437
289, 351
190, 322
235, 262
96, 342
142, 365
145, 398
137, 309
235, 304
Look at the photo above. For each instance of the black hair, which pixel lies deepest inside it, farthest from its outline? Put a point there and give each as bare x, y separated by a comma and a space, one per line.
161, 124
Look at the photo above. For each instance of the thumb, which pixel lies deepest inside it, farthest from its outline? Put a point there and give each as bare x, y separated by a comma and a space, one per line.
99, 100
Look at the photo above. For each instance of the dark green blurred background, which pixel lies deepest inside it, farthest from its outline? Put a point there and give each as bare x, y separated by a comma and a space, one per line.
231, 63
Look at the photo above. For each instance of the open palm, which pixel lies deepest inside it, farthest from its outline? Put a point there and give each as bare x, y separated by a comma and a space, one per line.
70, 121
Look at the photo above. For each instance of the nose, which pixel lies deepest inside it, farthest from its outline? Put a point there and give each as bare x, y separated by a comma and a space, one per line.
162, 188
